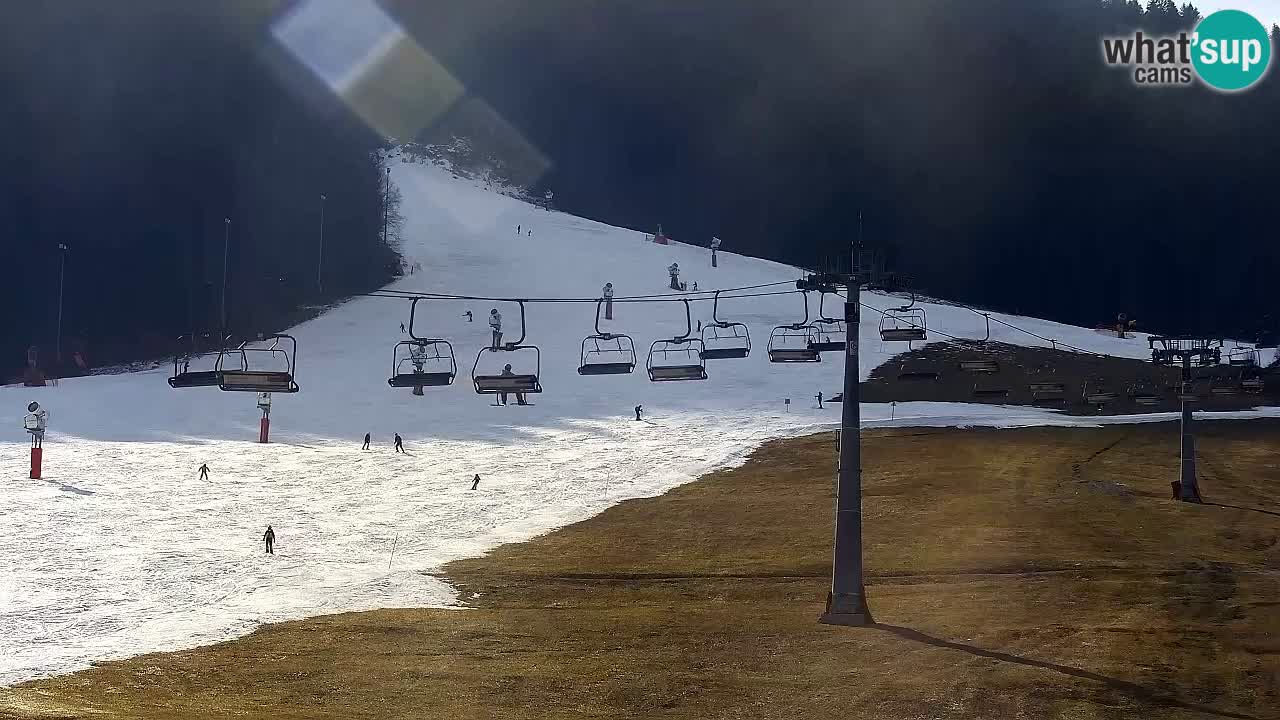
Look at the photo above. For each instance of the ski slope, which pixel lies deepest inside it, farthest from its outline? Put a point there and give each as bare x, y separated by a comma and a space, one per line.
121, 549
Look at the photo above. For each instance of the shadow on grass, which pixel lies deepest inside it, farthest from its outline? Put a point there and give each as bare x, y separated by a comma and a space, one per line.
1241, 507
1131, 689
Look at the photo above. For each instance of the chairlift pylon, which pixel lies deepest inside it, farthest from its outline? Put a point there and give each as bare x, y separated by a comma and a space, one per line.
280, 378
830, 334
723, 340
692, 366
794, 343
491, 384
619, 359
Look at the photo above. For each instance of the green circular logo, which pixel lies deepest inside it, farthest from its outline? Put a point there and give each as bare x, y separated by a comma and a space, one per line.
1231, 50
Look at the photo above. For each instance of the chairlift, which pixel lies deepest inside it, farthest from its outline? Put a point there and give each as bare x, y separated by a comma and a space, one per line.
494, 383
422, 361
980, 365
1223, 386
1096, 393
689, 353
904, 324
794, 343
278, 376
185, 377
990, 389
1251, 381
1243, 357
723, 340
918, 370
830, 334
1046, 392
616, 356
1143, 393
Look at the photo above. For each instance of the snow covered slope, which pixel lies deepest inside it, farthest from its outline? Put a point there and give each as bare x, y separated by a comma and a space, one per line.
122, 549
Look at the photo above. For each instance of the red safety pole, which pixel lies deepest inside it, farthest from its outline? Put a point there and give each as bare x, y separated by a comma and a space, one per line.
37, 457
264, 428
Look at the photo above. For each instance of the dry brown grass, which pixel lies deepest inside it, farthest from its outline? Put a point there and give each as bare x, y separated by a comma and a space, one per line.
1018, 573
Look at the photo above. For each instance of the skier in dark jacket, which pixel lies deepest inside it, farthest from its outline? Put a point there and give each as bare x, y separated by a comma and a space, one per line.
269, 537
495, 323
399, 443
366, 442
502, 397
639, 409
204, 471
475, 483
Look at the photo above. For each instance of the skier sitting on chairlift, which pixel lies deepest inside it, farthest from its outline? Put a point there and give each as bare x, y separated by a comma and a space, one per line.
502, 397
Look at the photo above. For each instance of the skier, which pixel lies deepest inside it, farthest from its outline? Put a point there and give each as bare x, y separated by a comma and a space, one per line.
402, 330
269, 537
674, 271
506, 371
399, 444
204, 471
1122, 322
475, 482
467, 314
639, 409
517, 229
366, 442
608, 301
495, 322
695, 286
819, 399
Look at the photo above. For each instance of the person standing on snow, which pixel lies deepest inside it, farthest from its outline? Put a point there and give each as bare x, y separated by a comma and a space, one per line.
695, 286
402, 329
475, 482
674, 271
399, 444
639, 409
366, 442
517, 229
468, 315
495, 323
269, 537
608, 301
204, 471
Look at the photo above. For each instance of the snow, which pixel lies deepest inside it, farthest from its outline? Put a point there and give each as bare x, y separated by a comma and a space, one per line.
122, 549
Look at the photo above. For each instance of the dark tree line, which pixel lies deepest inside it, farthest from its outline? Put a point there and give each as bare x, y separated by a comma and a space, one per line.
995, 158
130, 132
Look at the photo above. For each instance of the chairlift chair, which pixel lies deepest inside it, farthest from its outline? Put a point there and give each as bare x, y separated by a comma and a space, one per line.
918, 370
794, 343
492, 384
616, 357
184, 377
980, 365
1243, 357
279, 378
1046, 392
1252, 381
1143, 393
1096, 393
990, 389
904, 324
830, 334
689, 352
1221, 386
421, 363
723, 340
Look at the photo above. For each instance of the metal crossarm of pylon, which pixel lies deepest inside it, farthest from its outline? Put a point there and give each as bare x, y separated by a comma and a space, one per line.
1187, 351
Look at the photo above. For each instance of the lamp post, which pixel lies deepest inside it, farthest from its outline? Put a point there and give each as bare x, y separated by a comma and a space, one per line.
320, 261
62, 276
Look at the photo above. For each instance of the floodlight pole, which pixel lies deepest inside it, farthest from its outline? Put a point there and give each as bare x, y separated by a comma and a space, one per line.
1188, 491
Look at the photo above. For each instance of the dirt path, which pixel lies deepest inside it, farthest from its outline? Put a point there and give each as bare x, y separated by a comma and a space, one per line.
1017, 573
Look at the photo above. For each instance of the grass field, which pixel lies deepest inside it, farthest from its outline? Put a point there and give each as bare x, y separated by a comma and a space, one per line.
1012, 573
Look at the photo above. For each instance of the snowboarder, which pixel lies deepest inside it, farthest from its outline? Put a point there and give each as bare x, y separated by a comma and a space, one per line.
674, 271
502, 397
366, 442
204, 471
475, 482
399, 444
269, 537
495, 322
608, 301
639, 409
467, 314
